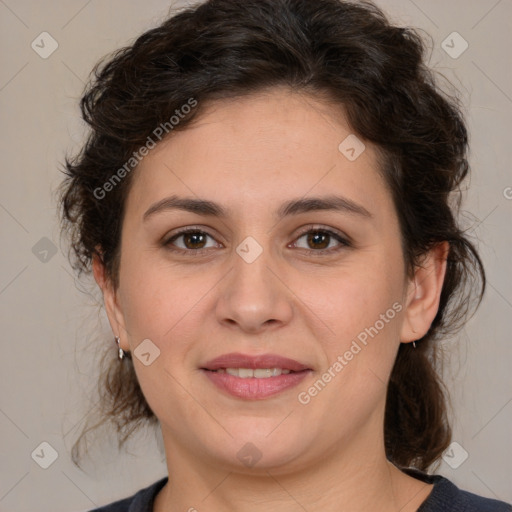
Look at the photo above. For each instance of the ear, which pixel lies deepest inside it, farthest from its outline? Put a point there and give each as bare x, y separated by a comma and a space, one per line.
114, 311
423, 293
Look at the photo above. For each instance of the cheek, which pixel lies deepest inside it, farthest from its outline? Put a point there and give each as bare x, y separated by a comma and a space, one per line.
166, 304
362, 308
350, 298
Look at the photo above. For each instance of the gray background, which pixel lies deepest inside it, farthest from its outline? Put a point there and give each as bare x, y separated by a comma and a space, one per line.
51, 326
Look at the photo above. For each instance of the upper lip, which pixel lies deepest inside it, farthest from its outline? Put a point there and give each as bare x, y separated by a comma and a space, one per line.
237, 360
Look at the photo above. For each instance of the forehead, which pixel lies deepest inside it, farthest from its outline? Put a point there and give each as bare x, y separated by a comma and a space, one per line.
259, 150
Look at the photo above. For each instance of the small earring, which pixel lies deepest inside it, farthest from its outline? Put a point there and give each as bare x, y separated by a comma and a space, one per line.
414, 342
120, 354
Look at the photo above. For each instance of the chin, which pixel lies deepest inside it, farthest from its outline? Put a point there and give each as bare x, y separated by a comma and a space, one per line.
259, 447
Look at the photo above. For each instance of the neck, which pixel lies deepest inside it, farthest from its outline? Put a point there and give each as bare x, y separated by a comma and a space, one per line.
358, 476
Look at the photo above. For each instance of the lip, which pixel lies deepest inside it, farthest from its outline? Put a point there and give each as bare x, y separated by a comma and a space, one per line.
253, 388
238, 360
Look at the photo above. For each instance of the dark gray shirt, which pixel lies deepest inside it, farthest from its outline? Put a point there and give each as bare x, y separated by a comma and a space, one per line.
444, 497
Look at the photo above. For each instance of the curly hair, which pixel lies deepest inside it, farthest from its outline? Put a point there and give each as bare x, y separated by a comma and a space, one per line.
346, 52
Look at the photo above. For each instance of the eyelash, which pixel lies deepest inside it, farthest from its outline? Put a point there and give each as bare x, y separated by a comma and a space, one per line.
344, 243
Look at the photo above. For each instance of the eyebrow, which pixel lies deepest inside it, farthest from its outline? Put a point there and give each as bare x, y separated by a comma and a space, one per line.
293, 207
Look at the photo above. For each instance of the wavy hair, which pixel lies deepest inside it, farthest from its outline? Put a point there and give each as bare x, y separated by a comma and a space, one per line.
348, 53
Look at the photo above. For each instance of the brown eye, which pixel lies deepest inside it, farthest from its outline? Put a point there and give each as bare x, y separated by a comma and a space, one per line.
318, 239
192, 240
322, 241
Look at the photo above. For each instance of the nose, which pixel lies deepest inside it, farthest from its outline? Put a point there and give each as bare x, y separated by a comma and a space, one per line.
254, 297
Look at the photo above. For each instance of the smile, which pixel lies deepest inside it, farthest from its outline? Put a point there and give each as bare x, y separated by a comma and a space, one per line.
259, 373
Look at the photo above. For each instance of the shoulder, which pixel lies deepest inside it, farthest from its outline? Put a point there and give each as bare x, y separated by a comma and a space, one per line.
445, 495
142, 501
476, 503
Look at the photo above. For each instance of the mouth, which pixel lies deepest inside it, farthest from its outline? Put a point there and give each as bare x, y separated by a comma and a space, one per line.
254, 377
246, 362
258, 373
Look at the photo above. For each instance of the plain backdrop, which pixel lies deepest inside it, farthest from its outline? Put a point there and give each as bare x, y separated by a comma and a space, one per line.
51, 327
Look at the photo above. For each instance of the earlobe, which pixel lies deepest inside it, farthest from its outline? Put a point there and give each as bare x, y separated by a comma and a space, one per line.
423, 294
112, 308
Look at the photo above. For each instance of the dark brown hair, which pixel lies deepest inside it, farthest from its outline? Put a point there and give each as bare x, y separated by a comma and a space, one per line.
349, 54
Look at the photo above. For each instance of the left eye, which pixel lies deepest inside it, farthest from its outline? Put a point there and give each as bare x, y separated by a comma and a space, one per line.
322, 238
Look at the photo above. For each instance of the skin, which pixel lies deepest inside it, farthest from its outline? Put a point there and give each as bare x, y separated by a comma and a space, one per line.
251, 155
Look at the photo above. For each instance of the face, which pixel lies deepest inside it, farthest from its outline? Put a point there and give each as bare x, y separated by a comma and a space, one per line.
324, 287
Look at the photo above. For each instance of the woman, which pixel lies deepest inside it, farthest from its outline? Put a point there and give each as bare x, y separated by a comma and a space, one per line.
265, 201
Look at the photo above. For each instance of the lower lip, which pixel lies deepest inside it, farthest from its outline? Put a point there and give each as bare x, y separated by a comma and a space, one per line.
253, 388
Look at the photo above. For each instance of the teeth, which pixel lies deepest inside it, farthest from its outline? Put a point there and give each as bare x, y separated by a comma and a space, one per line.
259, 373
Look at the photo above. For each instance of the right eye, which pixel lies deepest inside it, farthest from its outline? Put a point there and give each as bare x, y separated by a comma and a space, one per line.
193, 240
